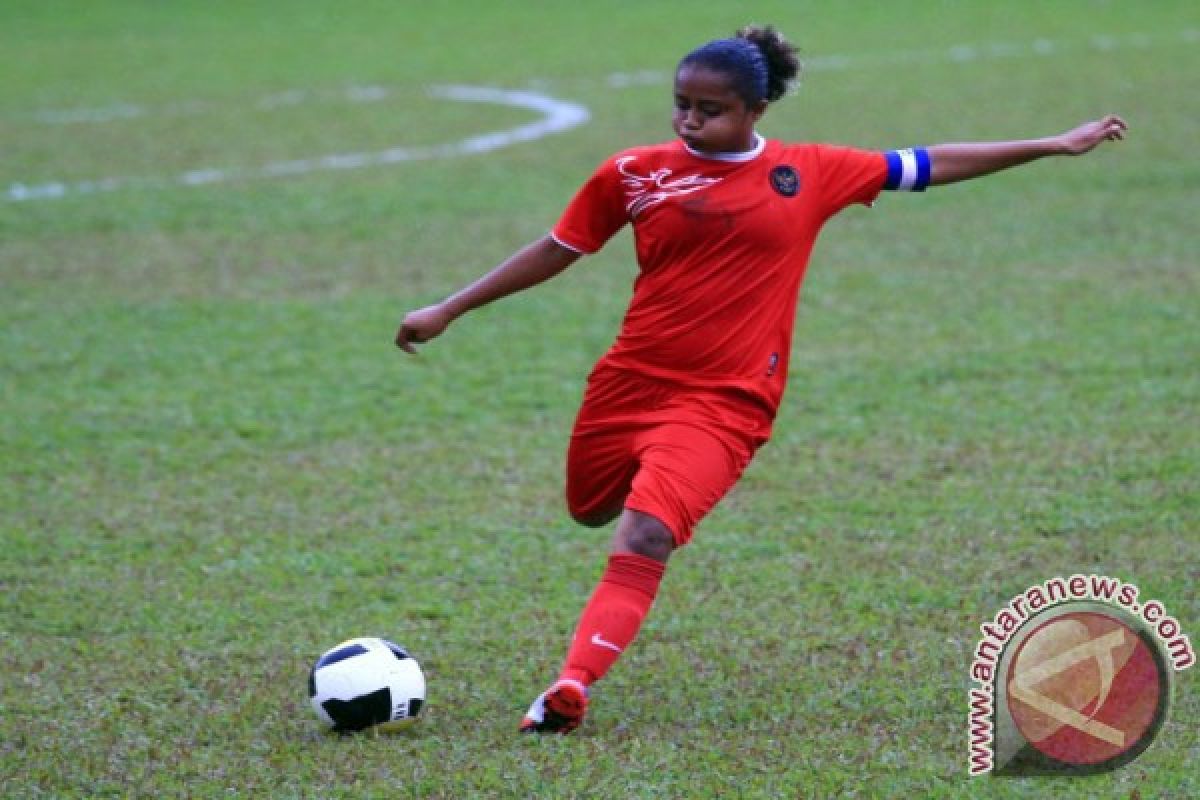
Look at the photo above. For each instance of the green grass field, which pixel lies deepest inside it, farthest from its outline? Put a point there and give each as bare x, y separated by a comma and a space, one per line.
214, 464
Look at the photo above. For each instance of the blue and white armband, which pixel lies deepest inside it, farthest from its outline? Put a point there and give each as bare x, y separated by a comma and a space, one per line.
908, 169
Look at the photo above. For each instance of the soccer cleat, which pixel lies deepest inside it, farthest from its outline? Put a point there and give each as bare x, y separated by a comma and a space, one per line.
559, 709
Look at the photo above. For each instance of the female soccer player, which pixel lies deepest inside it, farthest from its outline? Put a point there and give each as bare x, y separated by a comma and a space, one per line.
724, 222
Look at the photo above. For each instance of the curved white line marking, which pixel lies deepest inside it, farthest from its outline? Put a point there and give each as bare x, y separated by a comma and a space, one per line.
557, 116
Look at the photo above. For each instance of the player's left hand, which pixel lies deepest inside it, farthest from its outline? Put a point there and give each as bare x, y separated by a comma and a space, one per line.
1084, 138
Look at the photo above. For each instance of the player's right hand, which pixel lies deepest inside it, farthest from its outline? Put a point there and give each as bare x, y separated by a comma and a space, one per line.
421, 326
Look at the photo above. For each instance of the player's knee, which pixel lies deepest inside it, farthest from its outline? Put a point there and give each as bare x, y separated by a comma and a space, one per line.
646, 536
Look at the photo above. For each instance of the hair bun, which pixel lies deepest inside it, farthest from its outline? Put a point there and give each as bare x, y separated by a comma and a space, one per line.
783, 65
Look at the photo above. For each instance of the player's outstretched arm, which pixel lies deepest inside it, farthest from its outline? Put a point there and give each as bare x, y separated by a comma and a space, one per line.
950, 163
529, 266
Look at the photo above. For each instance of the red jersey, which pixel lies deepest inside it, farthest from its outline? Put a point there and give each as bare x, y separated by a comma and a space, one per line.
722, 246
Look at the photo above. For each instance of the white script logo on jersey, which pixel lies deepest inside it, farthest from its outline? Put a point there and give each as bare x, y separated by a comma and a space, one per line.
644, 191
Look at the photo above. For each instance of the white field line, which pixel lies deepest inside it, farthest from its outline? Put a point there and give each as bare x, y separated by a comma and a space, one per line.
187, 108
956, 54
557, 115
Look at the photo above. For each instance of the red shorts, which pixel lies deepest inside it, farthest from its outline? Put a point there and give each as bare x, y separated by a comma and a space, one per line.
663, 449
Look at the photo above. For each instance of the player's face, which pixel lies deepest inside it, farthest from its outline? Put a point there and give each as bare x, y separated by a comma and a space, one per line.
709, 115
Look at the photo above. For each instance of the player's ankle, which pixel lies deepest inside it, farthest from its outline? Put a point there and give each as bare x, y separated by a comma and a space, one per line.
580, 676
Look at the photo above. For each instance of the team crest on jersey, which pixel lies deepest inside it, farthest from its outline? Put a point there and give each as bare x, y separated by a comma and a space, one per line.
785, 180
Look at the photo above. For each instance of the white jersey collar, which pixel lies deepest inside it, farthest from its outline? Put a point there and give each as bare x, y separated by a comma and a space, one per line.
746, 155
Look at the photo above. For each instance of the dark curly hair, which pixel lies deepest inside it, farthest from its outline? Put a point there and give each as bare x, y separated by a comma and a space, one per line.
783, 64
760, 63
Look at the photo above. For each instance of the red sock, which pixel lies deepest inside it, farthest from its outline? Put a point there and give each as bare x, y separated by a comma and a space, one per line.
612, 616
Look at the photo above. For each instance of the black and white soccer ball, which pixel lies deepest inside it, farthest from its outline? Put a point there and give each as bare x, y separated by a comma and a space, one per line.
366, 683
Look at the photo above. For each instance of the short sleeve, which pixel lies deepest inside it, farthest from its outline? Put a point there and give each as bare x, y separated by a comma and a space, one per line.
595, 213
849, 176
